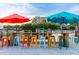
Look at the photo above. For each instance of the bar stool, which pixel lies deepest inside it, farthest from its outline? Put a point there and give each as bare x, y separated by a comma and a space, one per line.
4, 40
34, 41
16, 40
42, 39
60, 40
25, 39
52, 41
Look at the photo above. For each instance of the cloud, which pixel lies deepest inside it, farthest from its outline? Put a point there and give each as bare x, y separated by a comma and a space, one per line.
7, 9
37, 9
52, 8
74, 9
23, 9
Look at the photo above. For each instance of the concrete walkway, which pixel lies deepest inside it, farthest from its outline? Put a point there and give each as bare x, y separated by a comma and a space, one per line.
38, 51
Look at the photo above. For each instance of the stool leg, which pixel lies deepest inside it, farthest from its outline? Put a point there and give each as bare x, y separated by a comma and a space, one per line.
36, 44
48, 43
44, 43
18, 42
54, 44
27, 43
40, 43
31, 43
2, 41
7, 42
23, 43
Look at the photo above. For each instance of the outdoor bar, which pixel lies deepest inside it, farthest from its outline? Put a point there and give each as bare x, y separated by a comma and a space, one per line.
38, 38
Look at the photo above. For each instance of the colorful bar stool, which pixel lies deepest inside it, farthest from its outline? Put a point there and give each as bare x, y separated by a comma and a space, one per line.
34, 41
25, 39
16, 40
4, 40
42, 40
65, 40
52, 41
11, 39
60, 41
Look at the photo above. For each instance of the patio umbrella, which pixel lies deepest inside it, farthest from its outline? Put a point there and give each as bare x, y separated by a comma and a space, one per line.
14, 19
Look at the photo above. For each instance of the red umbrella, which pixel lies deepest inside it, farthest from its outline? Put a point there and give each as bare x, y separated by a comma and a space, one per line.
15, 19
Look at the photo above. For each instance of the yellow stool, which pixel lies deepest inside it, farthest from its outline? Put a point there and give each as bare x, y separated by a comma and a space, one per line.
48, 42
51, 40
34, 41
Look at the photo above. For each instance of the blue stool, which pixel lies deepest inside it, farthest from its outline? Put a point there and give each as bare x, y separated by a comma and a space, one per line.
42, 40
16, 40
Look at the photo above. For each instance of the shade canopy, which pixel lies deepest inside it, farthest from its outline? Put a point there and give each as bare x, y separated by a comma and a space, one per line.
15, 18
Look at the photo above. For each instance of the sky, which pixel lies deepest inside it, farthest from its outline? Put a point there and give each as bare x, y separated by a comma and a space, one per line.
37, 9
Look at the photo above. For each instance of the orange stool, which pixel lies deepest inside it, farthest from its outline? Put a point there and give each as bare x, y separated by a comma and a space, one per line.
25, 39
4, 39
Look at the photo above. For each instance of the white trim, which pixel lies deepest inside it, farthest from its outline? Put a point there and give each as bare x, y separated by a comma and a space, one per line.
15, 23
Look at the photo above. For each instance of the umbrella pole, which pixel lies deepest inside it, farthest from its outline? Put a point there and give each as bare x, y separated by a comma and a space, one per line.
16, 28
